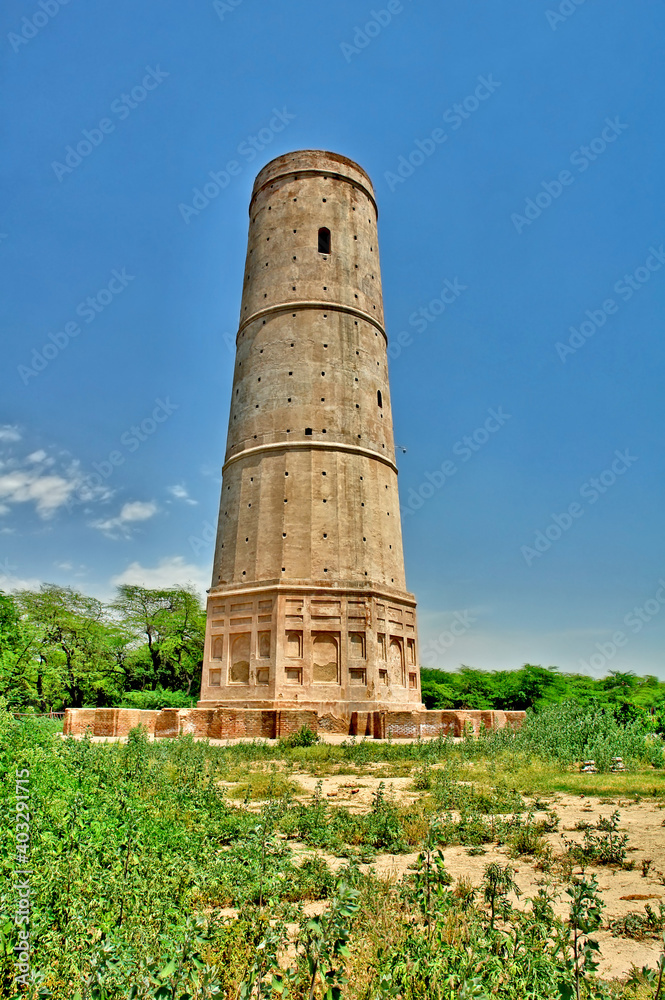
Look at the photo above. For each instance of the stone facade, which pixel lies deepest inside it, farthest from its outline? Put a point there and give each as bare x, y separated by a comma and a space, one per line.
308, 607
309, 622
234, 723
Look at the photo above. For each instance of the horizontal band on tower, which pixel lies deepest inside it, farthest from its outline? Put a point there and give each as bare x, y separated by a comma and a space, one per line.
311, 304
352, 449
344, 587
315, 172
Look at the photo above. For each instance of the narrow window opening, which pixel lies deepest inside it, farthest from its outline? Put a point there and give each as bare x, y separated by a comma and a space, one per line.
379, 398
308, 430
324, 240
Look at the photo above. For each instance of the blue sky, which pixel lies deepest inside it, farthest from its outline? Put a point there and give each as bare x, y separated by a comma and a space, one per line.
517, 155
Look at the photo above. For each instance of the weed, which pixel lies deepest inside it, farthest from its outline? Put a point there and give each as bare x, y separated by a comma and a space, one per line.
305, 737
497, 883
602, 844
638, 925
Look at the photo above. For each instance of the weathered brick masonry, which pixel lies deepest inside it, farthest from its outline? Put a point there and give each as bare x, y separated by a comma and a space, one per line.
309, 620
235, 723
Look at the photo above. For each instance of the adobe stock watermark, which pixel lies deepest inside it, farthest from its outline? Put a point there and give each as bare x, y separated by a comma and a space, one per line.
88, 310
591, 491
122, 108
379, 19
249, 148
634, 621
455, 117
201, 543
581, 158
421, 318
224, 7
438, 647
625, 288
129, 441
565, 10
31, 26
465, 449
22, 872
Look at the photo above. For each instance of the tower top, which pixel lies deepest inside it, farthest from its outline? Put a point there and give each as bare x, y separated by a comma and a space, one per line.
311, 163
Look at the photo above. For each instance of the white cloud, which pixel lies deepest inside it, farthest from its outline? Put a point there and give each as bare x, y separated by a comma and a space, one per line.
47, 492
63, 565
43, 480
137, 510
9, 581
8, 433
171, 571
180, 493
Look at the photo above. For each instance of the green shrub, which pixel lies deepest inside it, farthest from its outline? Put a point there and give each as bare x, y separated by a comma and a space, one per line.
569, 732
159, 698
305, 737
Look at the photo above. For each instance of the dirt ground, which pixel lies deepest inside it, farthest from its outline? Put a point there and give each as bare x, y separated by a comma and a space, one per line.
624, 891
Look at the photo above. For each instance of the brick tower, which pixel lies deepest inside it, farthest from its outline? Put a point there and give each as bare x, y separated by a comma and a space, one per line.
308, 606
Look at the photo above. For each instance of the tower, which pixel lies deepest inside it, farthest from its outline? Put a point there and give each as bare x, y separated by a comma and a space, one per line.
308, 606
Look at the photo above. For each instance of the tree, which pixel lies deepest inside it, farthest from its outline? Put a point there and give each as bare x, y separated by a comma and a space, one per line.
16, 649
531, 685
171, 624
70, 640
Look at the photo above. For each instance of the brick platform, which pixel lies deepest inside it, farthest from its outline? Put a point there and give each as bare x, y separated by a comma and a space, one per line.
234, 723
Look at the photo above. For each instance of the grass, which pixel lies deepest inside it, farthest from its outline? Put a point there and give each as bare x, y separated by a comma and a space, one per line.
542, 778
137, 847
263, 785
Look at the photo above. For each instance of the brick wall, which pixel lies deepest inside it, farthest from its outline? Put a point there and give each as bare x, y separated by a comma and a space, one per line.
77, 720
333, 724
291, 722
235, 723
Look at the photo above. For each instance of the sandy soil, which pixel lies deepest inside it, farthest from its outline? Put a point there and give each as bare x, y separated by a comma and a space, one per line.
624, 891
355, 792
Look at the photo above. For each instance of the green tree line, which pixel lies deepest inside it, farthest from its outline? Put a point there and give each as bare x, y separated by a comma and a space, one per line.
60, 648
630, 697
